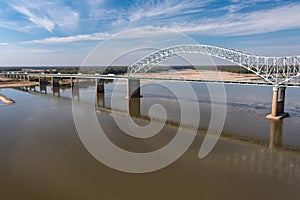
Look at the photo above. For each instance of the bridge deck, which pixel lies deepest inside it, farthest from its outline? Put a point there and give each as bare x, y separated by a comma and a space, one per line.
125, 77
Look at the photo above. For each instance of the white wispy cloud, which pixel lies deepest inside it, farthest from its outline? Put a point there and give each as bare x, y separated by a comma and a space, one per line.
44, 21
168, 8
69, 39
154, 11
47, 15
265, 21
4, 44
189, 16
45, 50
206, 18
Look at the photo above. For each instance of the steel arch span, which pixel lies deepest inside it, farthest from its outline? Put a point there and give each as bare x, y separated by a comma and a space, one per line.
275, 70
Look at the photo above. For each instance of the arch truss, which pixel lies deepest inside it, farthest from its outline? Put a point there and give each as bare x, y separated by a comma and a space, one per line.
275, 70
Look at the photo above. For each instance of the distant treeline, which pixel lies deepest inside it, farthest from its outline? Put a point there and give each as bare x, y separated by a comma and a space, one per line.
234, 69
117, 70
104, 70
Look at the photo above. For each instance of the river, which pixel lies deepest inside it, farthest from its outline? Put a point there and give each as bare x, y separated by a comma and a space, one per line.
42, 156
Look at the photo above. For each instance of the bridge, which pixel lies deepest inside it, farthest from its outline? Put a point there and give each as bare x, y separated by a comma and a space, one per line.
276, 71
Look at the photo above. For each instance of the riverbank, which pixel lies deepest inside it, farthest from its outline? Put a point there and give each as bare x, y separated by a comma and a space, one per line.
12, 83
204, 75
6, 100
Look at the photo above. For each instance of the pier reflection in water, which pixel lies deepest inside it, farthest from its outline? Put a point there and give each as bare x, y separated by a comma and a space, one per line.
276, 127
56, 91
139, 107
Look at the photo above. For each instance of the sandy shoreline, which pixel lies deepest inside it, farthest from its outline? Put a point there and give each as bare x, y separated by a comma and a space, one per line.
6, 100
12, 83
204, 75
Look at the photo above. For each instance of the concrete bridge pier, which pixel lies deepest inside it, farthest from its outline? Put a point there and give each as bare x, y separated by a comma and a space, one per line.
134, 97
100, 86
30, 78
20, 76
54, 82
133, 88
278, 104
100, 93
42, 81
72, 83
75, 92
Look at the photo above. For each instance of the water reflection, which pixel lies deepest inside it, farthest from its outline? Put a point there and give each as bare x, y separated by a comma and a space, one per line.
276, 127
265, 131
56, 91
43, 89
100, 100
134, 107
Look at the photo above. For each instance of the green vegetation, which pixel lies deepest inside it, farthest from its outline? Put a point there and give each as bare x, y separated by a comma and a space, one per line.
118, 70
234, 69
66, 70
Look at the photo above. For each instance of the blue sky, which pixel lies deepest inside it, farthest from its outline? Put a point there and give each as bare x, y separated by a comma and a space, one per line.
62, 32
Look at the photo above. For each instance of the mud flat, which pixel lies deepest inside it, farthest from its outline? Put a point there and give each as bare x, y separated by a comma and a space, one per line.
6, 100
10, 83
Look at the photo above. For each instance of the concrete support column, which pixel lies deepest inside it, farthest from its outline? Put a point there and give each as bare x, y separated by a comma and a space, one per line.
278, 105
281, 99
75, 89
133, 88
275, 101
74, 84
100, 93
71, 83
42, 80
54, 82
100, 86
134, 97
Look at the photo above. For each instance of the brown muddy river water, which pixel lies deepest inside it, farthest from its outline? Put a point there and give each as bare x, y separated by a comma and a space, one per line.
43, 157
